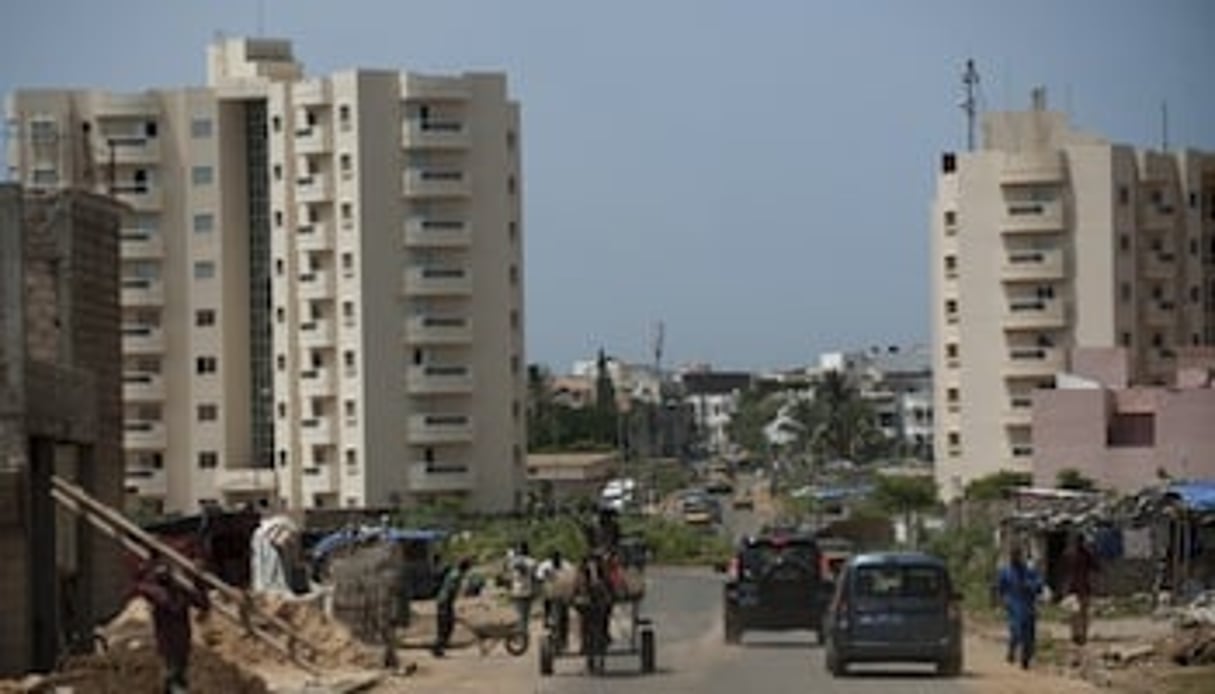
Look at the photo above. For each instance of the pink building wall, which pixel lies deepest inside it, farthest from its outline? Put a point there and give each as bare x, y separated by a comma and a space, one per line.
1071, 429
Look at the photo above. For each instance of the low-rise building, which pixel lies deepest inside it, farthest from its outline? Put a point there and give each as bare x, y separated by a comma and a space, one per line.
555, 476
1123, 435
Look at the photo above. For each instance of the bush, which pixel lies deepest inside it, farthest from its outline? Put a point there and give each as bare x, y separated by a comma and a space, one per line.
972, 556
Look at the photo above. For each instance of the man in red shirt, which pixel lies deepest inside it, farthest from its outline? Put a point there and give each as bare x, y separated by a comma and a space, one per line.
171, 602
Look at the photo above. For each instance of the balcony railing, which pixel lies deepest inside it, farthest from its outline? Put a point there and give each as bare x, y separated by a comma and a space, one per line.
439, 380
438, 281
436, 183
317, 333
434, 134
142, 387
142, 339
1033, 216
143, 435
316, 187
140, 291
438, 330
438, 477
440, 428
437, 233
316, 284
1021, 168
1033, 361
1033, 265
1034, 313
137, 243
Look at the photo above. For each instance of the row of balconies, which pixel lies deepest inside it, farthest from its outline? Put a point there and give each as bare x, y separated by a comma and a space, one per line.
140, 244
1033, 265
418, 233
436, 183
421, 429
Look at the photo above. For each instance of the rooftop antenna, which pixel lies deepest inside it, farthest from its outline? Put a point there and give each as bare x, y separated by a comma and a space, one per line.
1164, 125
970, 80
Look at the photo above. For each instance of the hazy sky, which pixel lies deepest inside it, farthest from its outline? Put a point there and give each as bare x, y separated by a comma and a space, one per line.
756, 174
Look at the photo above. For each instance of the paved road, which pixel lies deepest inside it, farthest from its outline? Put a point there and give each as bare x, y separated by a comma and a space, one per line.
692, 657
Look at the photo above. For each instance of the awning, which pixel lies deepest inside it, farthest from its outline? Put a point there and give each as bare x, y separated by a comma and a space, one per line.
1195, 496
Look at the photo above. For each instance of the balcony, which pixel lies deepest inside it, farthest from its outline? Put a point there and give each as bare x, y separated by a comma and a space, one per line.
140, 291
1028, 266
438, 330
432, 88
1154, 215
142, 339
140, 197
146, 481
1160, 313
313, 92
436, 183
438, 281
316, 382
315, 139
126, 148
1029, 216
437, 233
317, 187
143, 435
314, 237
316, 431
140, 244
316, 285
434, 134
1034, 314
142, 387
1029, 168
1029, 362
440, 478
246, 480
437, 379
317, 333
1160, 265
440, 428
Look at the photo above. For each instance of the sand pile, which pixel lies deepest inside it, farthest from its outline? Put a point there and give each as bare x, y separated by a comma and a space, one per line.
219, 636
139, 670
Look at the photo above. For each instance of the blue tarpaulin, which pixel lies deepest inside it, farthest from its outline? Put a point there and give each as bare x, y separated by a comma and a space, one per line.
343, 538
1195, 496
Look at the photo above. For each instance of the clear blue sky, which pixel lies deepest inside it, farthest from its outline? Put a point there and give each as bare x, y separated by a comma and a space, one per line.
757, 174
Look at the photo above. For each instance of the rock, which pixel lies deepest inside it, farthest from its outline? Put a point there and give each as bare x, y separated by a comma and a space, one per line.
1126, 655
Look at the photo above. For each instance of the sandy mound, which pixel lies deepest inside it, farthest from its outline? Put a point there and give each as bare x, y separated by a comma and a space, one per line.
136, 671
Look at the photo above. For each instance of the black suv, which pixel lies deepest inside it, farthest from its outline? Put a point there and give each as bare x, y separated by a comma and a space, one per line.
775, 583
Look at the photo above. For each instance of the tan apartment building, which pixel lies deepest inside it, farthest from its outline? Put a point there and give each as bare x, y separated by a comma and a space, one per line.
322, 278
1047, 239
1122, 435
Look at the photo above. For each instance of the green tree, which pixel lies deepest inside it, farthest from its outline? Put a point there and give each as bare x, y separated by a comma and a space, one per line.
757, 407
1073, 479
906, 495
606, 413
996, 485
837, 422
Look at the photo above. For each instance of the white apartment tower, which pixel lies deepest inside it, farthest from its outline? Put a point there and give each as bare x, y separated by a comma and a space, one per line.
322, 278
1046, 239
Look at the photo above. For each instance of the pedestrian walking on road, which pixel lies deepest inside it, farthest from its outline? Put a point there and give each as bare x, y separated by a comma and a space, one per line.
171, 604
1019, 586
521, 571
556, 606
1080, 565
445, 605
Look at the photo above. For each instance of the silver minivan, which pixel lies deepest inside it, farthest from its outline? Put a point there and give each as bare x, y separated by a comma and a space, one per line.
894, 607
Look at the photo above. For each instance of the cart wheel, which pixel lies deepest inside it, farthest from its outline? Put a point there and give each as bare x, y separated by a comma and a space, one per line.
546, 657
647, 651
517, 643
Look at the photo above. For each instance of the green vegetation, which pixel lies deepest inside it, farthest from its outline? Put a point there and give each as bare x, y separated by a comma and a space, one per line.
972, 556
1073, 479
907, 496
553, 426
996, 486
837, 423
757, 407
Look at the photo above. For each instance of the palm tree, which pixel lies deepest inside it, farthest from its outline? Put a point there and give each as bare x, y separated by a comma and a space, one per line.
837, 422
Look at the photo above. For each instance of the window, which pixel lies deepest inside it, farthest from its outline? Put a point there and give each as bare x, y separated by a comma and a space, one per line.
278, 218
204, 317
514, 319
514, 364
954, 438
1124, 242
1131, 430
514, 275
281, 362
207, 412
208, 460
276, 123
344, 163
280, 314
344, 114
510, 185
951, 350
351, 457
951, 307
1124, 195
951, 218
1125, 291
512, 230
951, 264
278, 266
204, 222
1157, 339
949, 162
45, 178
347, 263
200, 128
204, 270
347, 210
205, 365
202, 175
278, 172
348, 311
348, 358
282, 410
1126, 339
951, 395
348, 406
149, 128
511, 140
314, 215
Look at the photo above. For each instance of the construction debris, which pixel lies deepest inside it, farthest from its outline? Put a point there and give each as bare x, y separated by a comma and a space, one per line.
1194, 646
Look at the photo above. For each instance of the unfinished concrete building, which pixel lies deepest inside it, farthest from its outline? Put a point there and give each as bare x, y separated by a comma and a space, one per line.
60, 414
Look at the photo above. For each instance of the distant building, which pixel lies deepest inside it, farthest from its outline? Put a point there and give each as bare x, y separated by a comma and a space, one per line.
713, 397
1046, 239
60, 414
322, 278
1122, 435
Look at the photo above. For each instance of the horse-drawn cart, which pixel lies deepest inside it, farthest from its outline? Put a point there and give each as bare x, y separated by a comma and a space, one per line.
606, 591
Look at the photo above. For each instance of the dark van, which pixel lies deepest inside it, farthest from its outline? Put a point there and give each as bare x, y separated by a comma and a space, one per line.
894, 607
775, 583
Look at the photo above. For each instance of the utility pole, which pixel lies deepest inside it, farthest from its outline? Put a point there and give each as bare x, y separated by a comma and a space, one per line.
1164, 126
970, 80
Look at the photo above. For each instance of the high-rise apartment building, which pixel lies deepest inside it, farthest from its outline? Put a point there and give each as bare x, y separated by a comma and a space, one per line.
321, 278
1046, 239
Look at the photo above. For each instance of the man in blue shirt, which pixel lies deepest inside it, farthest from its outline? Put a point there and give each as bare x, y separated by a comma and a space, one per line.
1019, 586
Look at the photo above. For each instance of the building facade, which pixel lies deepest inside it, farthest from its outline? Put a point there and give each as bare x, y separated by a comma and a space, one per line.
1126, 437
321, 278
1044, 240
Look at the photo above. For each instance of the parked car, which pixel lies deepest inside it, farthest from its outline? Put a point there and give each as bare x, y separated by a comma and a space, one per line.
699, 509
774, 583
894, 607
